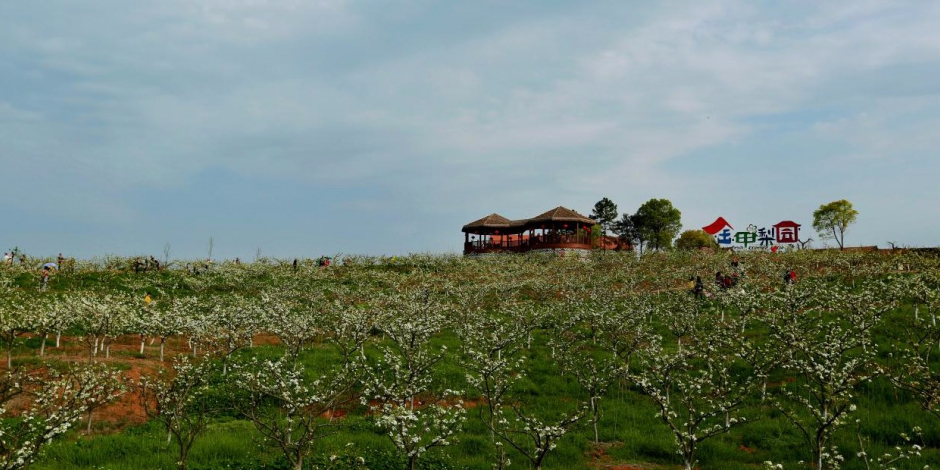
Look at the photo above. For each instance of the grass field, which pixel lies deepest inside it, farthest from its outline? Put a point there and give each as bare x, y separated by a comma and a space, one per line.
557, 320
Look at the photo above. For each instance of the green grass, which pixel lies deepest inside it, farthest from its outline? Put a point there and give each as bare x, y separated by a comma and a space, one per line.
629, 425
630, 429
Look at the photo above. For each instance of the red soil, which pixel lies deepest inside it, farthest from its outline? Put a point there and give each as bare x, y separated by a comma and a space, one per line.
602, 461
125, 350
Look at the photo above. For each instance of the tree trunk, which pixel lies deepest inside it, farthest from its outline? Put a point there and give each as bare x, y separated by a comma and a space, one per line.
492, 426
42, 346
538, 462
184, 455
10, 349
58, 338
820, 441
597, 438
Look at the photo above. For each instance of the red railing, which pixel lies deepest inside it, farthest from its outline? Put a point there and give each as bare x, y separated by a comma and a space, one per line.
528, 243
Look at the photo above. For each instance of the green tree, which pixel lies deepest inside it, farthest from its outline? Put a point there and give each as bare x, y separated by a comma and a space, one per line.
831, 220
594, 232
657, 223
694, 239
626, 230
605, 213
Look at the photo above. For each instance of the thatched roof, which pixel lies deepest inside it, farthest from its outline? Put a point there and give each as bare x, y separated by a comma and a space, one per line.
493, 220
561, 214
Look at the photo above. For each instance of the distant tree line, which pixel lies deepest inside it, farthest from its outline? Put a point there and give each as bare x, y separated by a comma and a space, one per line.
656, 223
653, 226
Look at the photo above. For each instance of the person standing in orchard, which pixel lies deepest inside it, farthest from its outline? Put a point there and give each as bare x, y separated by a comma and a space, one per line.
44, 279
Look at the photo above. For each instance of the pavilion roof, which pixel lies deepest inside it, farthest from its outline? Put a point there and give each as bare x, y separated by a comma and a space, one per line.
493, 220
561, 214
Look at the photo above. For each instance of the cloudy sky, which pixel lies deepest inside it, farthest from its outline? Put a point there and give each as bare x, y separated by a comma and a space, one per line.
309, 127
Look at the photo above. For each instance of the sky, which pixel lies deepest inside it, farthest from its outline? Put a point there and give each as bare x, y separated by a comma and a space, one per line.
298, 128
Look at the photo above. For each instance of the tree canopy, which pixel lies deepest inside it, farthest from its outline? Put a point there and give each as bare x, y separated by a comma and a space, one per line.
693, 239
625, 229
604, 213
831, 220
657, 223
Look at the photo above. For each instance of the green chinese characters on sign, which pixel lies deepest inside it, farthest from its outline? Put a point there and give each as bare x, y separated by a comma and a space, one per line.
745, 238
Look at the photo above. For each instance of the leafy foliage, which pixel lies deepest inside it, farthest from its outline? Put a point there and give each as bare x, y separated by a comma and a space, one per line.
833, 219
657, 222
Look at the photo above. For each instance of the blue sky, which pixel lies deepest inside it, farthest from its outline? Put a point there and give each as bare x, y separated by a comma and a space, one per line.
309, 127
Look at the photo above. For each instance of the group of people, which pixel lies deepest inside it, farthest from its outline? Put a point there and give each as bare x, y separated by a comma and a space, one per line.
724, 281
198, 268
14, 255
8, 258
146, 264
47, 271
727, 281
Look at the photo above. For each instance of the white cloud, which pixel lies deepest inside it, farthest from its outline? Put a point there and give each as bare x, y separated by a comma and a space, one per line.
472, 112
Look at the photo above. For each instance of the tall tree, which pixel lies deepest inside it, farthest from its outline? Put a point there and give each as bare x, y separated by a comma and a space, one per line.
831, 220
657, 222
605, 213
626, 230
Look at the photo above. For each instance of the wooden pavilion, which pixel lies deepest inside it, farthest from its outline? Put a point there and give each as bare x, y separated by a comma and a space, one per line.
559, 229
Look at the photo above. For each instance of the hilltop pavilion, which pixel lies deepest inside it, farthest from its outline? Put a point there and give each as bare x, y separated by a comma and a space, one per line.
559, 229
